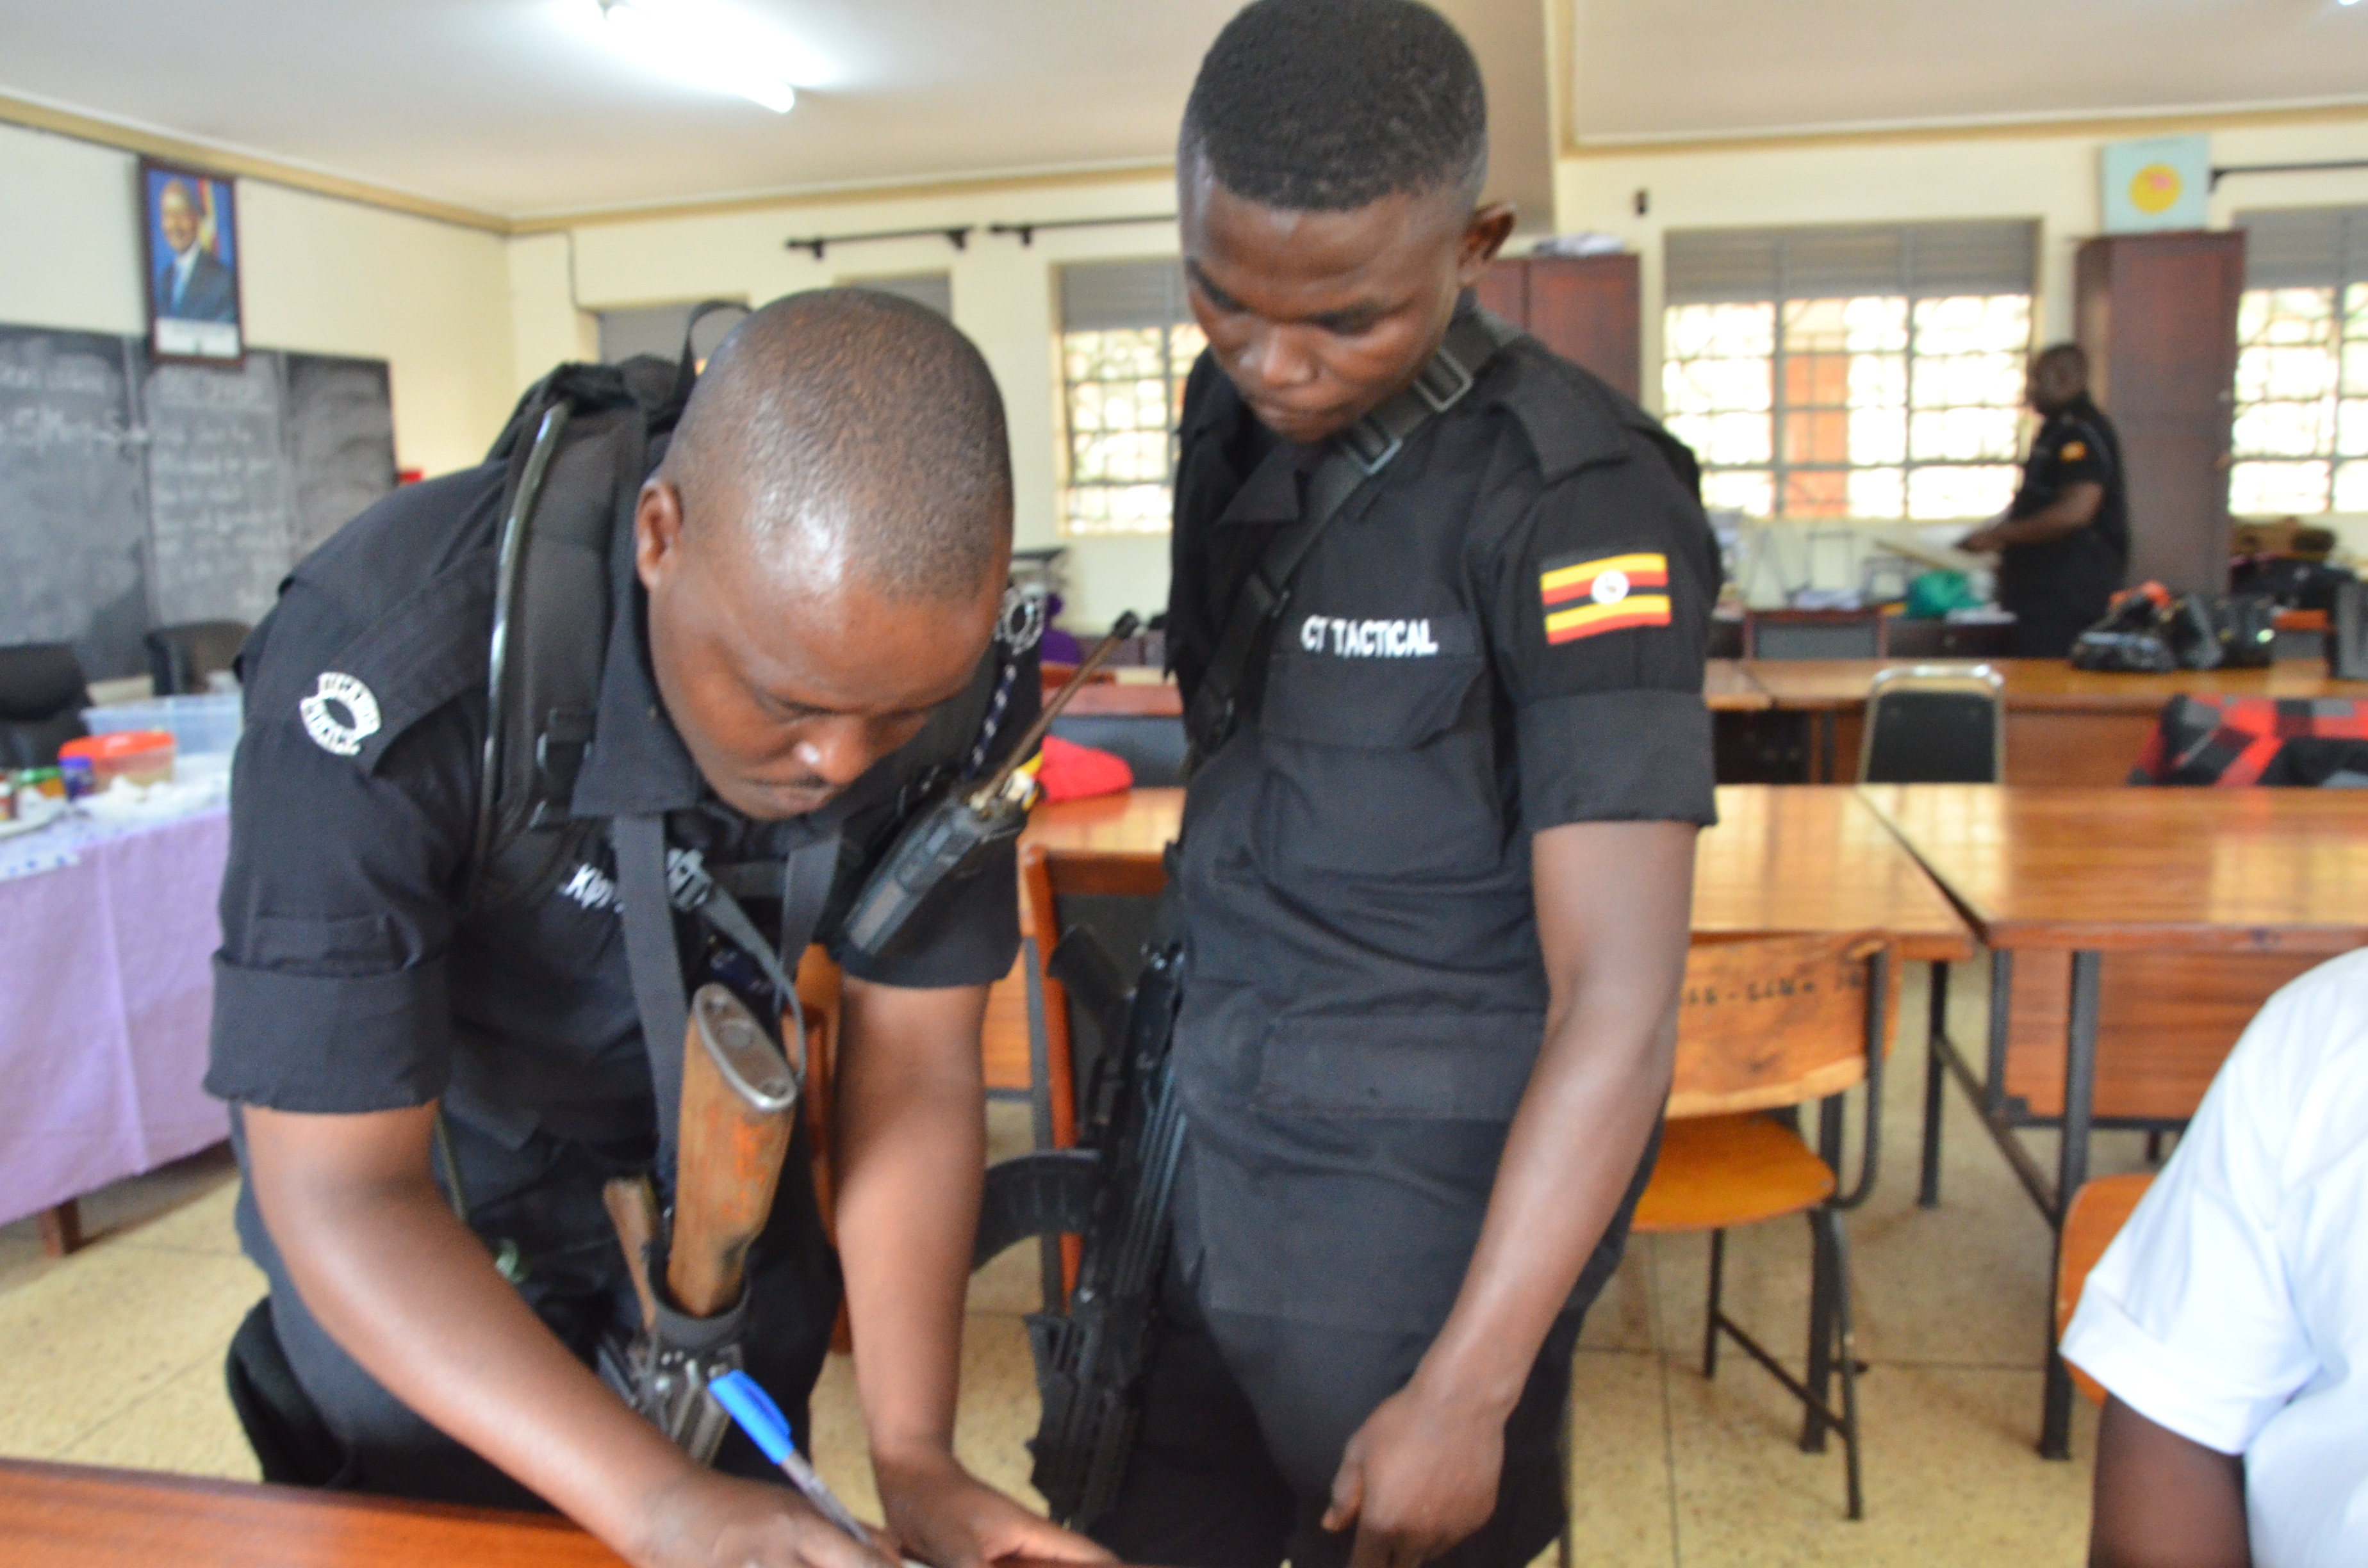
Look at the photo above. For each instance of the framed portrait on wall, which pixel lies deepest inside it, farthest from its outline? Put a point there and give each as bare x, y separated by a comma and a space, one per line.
188, 226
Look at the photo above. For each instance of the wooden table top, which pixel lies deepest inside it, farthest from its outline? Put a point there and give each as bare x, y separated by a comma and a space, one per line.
73, 1516
1783, 858
1133, 699
2048, 684
2256, 870
1727, 688
1799, 858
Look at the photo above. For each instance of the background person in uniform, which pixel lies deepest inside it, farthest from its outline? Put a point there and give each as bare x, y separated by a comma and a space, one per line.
1435, 890
2229, 1319
807, 579
192, 284
2064, 541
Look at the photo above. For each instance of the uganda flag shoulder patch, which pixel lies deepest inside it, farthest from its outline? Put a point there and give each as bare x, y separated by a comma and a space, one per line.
2073, 451
1587, 594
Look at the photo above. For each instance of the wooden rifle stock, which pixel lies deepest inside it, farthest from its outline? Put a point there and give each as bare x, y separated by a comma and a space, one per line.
739, 1099
632, 1205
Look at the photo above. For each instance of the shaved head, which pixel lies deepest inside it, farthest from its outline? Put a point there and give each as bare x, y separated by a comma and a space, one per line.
826, 546
849, 435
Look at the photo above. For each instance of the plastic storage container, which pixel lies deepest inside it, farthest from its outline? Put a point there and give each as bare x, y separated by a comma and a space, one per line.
198, 725
144, 757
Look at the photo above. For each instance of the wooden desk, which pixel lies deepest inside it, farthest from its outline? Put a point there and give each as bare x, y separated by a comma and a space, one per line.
1727, 688
2063, 726
2267, 881
1132, 700
70, 1517
1784, 858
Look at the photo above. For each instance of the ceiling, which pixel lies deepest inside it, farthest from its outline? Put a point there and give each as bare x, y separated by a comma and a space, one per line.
512, 108
509, 107
1655, 69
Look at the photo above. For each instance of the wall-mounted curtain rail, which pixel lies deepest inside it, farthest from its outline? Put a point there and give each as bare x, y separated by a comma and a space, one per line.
2222, 172
1026, 233
958, 237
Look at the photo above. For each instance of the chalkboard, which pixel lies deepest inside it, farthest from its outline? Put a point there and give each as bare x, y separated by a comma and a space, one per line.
74, 515
222, 499
340, 442
134, 495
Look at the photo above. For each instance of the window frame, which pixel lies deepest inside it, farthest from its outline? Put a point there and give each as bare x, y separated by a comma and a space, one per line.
1176, 363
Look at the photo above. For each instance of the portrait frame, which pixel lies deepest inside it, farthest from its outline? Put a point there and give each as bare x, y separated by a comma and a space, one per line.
193, 264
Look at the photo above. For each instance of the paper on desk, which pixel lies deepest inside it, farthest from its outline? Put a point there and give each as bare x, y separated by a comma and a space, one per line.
1903, 538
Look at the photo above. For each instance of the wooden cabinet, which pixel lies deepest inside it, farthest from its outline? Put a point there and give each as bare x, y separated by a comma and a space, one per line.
1584, 308
2158, 316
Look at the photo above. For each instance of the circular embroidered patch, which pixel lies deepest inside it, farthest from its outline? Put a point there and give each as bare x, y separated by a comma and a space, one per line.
1611, 586
340, 714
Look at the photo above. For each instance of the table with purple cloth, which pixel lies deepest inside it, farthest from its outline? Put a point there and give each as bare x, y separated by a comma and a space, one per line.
107, 939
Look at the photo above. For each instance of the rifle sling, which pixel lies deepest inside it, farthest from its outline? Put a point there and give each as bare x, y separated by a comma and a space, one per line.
654, 962
1357, 458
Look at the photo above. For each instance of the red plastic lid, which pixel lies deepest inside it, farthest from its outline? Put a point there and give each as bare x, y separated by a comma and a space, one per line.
122, 744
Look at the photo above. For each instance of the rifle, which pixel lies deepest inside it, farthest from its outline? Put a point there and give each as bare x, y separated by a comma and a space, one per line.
1114, 1188
739, 1099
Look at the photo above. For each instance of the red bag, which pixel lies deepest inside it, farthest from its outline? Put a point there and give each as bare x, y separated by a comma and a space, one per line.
1072, 772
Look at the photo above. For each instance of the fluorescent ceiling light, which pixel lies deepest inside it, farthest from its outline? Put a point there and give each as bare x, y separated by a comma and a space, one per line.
701, 43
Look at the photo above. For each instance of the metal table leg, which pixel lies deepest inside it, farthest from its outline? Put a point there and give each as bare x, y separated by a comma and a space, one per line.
2080, 1101
1936, 1075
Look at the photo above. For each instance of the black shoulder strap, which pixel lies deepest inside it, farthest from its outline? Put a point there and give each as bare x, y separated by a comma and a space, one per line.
571, 490
1358, 457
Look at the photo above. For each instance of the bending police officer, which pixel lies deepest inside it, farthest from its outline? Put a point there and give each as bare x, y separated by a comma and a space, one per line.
802, 594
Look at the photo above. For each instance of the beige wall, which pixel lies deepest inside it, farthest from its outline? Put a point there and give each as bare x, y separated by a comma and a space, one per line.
1003, 297
2052, 178
320, 275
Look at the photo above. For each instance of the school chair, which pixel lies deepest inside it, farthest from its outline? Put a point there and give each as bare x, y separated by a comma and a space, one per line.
1812, 635
1767, 1024
1934, 724
2097, 1214
43, 695
181, 657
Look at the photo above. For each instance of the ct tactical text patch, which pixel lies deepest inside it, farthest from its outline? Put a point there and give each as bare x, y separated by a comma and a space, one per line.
1584, 596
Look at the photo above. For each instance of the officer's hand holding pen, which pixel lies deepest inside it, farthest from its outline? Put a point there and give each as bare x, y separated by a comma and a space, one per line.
720, 1521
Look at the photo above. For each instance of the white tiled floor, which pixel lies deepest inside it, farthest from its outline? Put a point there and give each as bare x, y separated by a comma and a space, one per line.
115, 1358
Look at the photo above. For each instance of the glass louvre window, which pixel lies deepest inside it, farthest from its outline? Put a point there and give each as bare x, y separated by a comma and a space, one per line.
1127, 342
2299, 441
1864, 374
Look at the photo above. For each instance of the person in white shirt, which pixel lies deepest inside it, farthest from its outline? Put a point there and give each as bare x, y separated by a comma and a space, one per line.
2229, 1320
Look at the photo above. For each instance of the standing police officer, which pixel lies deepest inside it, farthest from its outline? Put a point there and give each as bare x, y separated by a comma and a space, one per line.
1436, 880
2064, 543
801, 598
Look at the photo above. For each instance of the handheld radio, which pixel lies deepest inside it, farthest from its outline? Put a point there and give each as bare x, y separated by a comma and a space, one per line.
949, 840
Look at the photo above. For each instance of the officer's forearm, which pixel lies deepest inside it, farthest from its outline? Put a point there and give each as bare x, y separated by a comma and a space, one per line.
2060, 518
1592, 1102
912, 1155
403, 1286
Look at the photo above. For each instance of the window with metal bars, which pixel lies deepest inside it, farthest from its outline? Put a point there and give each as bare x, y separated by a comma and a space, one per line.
1128, 341
2300, 444
1865, 372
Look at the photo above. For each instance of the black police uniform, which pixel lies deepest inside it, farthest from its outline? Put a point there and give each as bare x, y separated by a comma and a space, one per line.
2058, 589
355, 976
1503, 635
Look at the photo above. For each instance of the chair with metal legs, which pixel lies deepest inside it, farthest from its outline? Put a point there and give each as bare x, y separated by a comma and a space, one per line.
1767, 1024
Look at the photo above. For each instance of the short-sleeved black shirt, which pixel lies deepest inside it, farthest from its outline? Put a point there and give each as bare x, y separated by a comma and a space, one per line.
1505, 634
2067, 580
354, 976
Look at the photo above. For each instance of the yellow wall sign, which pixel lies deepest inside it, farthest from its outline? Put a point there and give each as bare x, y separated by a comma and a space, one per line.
2162, 183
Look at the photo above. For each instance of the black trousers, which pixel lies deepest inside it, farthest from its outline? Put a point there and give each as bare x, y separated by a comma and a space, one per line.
545, 1197
1245, 1419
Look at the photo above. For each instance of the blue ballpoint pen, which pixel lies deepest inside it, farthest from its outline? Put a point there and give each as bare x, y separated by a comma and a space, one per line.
762, 1419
